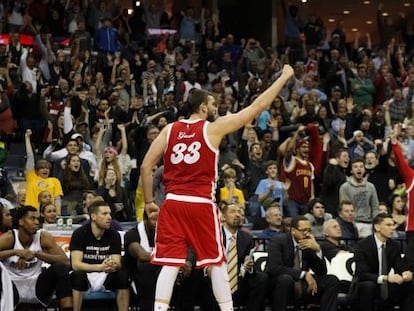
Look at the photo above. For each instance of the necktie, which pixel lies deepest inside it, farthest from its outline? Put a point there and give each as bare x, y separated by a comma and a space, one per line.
296, 265
232, 264
384, 271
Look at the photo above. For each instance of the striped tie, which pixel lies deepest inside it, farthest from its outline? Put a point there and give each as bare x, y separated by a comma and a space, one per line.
232, 264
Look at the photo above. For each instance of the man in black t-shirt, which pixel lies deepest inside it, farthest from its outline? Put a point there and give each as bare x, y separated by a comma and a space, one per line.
95, 251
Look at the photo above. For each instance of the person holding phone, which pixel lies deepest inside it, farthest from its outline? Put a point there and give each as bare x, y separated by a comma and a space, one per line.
250, 288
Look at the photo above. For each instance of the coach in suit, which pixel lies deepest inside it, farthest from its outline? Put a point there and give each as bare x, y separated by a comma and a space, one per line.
291, 257
375, 256
249, 287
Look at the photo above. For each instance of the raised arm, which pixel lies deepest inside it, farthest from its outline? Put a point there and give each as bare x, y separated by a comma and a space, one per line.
97, 148
403, 167
124, 141
67, 116
29, 151
230, 123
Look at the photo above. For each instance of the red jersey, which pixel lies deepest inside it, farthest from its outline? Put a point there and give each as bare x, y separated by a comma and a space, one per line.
407, 173
55, 108
301, 174
190, 161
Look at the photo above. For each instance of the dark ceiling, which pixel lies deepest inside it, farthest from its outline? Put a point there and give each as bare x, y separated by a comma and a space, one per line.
359, 13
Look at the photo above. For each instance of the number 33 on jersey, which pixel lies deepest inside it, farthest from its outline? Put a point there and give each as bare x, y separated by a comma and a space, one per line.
190, 159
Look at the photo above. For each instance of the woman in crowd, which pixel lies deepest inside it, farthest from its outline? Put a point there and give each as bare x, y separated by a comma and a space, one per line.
74, 182
397, 211
48, 214
120, 163
116, 196
54, 133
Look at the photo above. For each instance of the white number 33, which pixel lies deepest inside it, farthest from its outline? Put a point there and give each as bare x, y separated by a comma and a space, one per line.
189, 154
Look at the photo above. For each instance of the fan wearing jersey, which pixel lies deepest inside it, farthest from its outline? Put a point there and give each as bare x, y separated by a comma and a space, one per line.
189, 215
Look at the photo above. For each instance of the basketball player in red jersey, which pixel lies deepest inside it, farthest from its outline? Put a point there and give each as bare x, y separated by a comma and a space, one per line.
407, 174
189, 214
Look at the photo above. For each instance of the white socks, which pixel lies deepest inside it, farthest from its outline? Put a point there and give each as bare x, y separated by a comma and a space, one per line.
165, 285
221, 287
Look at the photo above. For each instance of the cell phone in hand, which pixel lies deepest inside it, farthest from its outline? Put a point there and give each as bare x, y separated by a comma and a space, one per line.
251, 253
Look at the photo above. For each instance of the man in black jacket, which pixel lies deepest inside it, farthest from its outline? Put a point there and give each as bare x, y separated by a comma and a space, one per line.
375, 256
291, 257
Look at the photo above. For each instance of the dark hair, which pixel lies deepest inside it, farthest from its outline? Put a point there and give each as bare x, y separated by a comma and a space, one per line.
373, 152
313, 202
196, 97
42, 211
342, 203
254, 144
72, 139
339, 152
86, 192
379, 219
22, 212
270, 163
392, 198
70, 177
93, 209
296, 220
357, 160
225, 206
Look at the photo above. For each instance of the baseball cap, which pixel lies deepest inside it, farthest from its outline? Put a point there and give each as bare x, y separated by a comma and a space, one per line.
81, 123
301, 141
106, 18
76, 135
336, 88
270, 202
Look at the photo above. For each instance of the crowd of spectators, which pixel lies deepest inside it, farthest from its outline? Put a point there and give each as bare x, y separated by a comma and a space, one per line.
88, 85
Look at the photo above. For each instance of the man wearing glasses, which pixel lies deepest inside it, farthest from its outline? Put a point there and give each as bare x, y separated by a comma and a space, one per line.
292, 257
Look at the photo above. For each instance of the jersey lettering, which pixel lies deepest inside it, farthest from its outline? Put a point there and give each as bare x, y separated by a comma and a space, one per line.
188, 154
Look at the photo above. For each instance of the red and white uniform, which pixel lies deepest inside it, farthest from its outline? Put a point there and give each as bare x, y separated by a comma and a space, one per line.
189, 215
407, 174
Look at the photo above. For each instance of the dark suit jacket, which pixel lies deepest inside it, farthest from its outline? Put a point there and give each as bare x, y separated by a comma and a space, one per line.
244, 244
330, 250
409, 255
281, 257
366, 258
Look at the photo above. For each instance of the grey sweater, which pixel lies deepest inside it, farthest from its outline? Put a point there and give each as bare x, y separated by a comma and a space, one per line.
363, 196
